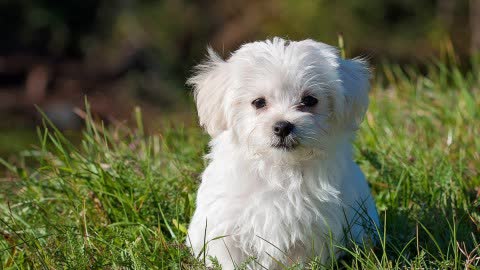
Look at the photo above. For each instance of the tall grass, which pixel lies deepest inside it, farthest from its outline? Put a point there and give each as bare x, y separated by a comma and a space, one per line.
122, 199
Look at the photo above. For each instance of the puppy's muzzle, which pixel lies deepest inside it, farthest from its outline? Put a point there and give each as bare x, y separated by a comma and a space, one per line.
282, 128
284, 138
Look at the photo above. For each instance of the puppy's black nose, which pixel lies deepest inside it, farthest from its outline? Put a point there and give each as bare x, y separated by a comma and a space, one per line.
282, 128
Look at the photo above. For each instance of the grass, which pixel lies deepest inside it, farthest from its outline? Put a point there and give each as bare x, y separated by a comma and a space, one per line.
122, 199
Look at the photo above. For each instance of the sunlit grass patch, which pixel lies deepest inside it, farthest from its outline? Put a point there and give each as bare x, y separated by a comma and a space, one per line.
122, 199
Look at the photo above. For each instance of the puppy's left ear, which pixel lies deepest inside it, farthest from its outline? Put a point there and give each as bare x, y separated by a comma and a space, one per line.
354, 75
210, 85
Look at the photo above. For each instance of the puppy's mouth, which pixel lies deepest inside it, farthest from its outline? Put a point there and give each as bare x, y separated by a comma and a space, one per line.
287, 144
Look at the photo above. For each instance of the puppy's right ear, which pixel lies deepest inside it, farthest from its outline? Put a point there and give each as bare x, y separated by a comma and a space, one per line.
210, 83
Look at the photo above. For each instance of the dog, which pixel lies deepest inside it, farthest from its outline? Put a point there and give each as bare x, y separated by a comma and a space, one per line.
281, 186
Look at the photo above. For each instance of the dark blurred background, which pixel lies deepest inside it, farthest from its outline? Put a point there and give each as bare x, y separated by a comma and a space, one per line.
122, 53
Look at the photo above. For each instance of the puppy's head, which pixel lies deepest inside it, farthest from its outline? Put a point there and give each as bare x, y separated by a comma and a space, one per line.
280, 97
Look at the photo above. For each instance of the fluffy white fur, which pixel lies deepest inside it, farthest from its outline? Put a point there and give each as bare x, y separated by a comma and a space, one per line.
277, 204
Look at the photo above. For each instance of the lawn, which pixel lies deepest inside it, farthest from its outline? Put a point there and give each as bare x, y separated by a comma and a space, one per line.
122, 199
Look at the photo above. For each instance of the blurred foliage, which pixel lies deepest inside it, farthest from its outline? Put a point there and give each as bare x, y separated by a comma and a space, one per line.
170, 35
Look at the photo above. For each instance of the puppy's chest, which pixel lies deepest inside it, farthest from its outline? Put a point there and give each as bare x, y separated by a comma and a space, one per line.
280, 219
288, 212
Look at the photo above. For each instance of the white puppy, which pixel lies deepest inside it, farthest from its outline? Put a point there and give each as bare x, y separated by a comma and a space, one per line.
281, 186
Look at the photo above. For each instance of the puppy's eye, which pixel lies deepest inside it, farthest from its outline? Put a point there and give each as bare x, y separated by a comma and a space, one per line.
309, 101
259, 103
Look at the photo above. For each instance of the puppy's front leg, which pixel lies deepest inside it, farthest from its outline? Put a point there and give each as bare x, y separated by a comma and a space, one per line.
226, 253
